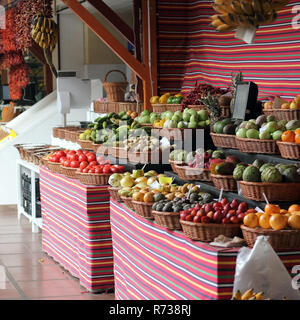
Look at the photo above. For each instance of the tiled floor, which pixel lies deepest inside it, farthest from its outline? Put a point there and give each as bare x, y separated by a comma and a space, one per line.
26, 273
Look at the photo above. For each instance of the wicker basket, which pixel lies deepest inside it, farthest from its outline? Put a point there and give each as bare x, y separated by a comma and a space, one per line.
283, 114
86, 144
69, 172
115, 91
174, 164
186, 173
169, 220
274, 191
145, 157
224, 140
143, 209
128, 202
94, 179
257, 146
114, 193
54, 166
58, 132
225, 111
197, 107
289, 150
73, 134
119, 152
207, 232
279, 239
227, 183
107, 107
162, 107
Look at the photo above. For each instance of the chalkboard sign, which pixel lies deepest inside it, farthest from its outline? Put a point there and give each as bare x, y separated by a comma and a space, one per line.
245, 99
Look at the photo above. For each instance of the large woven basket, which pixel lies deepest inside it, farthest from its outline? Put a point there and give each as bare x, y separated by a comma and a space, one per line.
160, 107
279, 239
227, 183
283, 114
53, 166
72, 134
174, 164
143, 209
115, 91
113, 191
58, 132
86, 144
257, 146
128, 202
289, 150
169, 220
274, 191
69, 172
186, 173
224, 140
117, 107
94, 179
207, 232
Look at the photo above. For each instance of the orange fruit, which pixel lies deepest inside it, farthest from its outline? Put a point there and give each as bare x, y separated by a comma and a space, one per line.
288, 136
297, 131
294, 207
138, 196
283, 211
272, 208
278, 221
297, 138
264, 221
251, 220
294, 221
259, 214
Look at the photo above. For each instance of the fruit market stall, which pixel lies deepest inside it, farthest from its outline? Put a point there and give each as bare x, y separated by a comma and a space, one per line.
152, 262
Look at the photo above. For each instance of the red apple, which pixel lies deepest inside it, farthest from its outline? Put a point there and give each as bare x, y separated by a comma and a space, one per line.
218, 216
241, 217
243, 206
234, 220
208, 207
227, 207
197, 219
225, 221
205, 219
197, 206
234, 204
217, 205
201, 213
224, 201
210, 214
182, 216
189, 218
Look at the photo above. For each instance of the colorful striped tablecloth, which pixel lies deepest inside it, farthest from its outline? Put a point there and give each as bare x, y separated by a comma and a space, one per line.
76, 229
151, 262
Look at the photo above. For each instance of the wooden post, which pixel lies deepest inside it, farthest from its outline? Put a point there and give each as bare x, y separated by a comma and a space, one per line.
153, 49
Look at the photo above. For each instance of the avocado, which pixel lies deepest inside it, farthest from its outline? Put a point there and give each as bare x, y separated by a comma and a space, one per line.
218, 154
225, 168
258, 163
167, 207
194, 197
290, 174
251, 174
229, 129
160, 206
260, 120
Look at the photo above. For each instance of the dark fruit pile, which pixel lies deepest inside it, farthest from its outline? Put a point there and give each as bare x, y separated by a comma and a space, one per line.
221, 212
200, 91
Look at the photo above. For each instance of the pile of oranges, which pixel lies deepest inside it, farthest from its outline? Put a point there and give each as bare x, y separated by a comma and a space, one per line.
291, 136
274, 218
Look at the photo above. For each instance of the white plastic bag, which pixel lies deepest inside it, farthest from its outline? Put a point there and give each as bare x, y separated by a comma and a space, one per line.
261, 269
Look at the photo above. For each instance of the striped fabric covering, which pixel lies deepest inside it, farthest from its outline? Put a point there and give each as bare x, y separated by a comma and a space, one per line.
189, 50
151, 262
76, 229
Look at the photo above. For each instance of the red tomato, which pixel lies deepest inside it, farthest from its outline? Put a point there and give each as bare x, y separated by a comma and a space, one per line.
63, 159
60, 153
73, 157
79, 151
101, 159
72, 152
66, 163
106, 170
92, 170
121, 169
83, 164
85, 170
98, 170
100, 166
114, 169
82, 157
85, 152
74, 164
91, 156
93, 163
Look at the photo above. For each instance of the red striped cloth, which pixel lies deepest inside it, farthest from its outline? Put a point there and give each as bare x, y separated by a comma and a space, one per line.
189, 50
76, 229
151, 262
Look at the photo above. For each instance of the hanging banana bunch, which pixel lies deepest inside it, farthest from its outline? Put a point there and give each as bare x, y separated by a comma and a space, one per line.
44, 32
245, 13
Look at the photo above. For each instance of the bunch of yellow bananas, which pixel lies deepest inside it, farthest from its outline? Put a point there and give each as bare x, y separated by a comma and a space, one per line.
250, 295
44, 32
247, 13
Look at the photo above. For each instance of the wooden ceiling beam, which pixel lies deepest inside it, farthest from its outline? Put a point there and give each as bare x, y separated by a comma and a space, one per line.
113, 18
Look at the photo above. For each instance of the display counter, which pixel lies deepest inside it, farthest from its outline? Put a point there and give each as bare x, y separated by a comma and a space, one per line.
76, 229
151, 262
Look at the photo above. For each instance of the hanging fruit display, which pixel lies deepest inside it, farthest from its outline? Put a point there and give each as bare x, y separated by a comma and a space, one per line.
26, 10
18, 79
245, 13
44, 32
